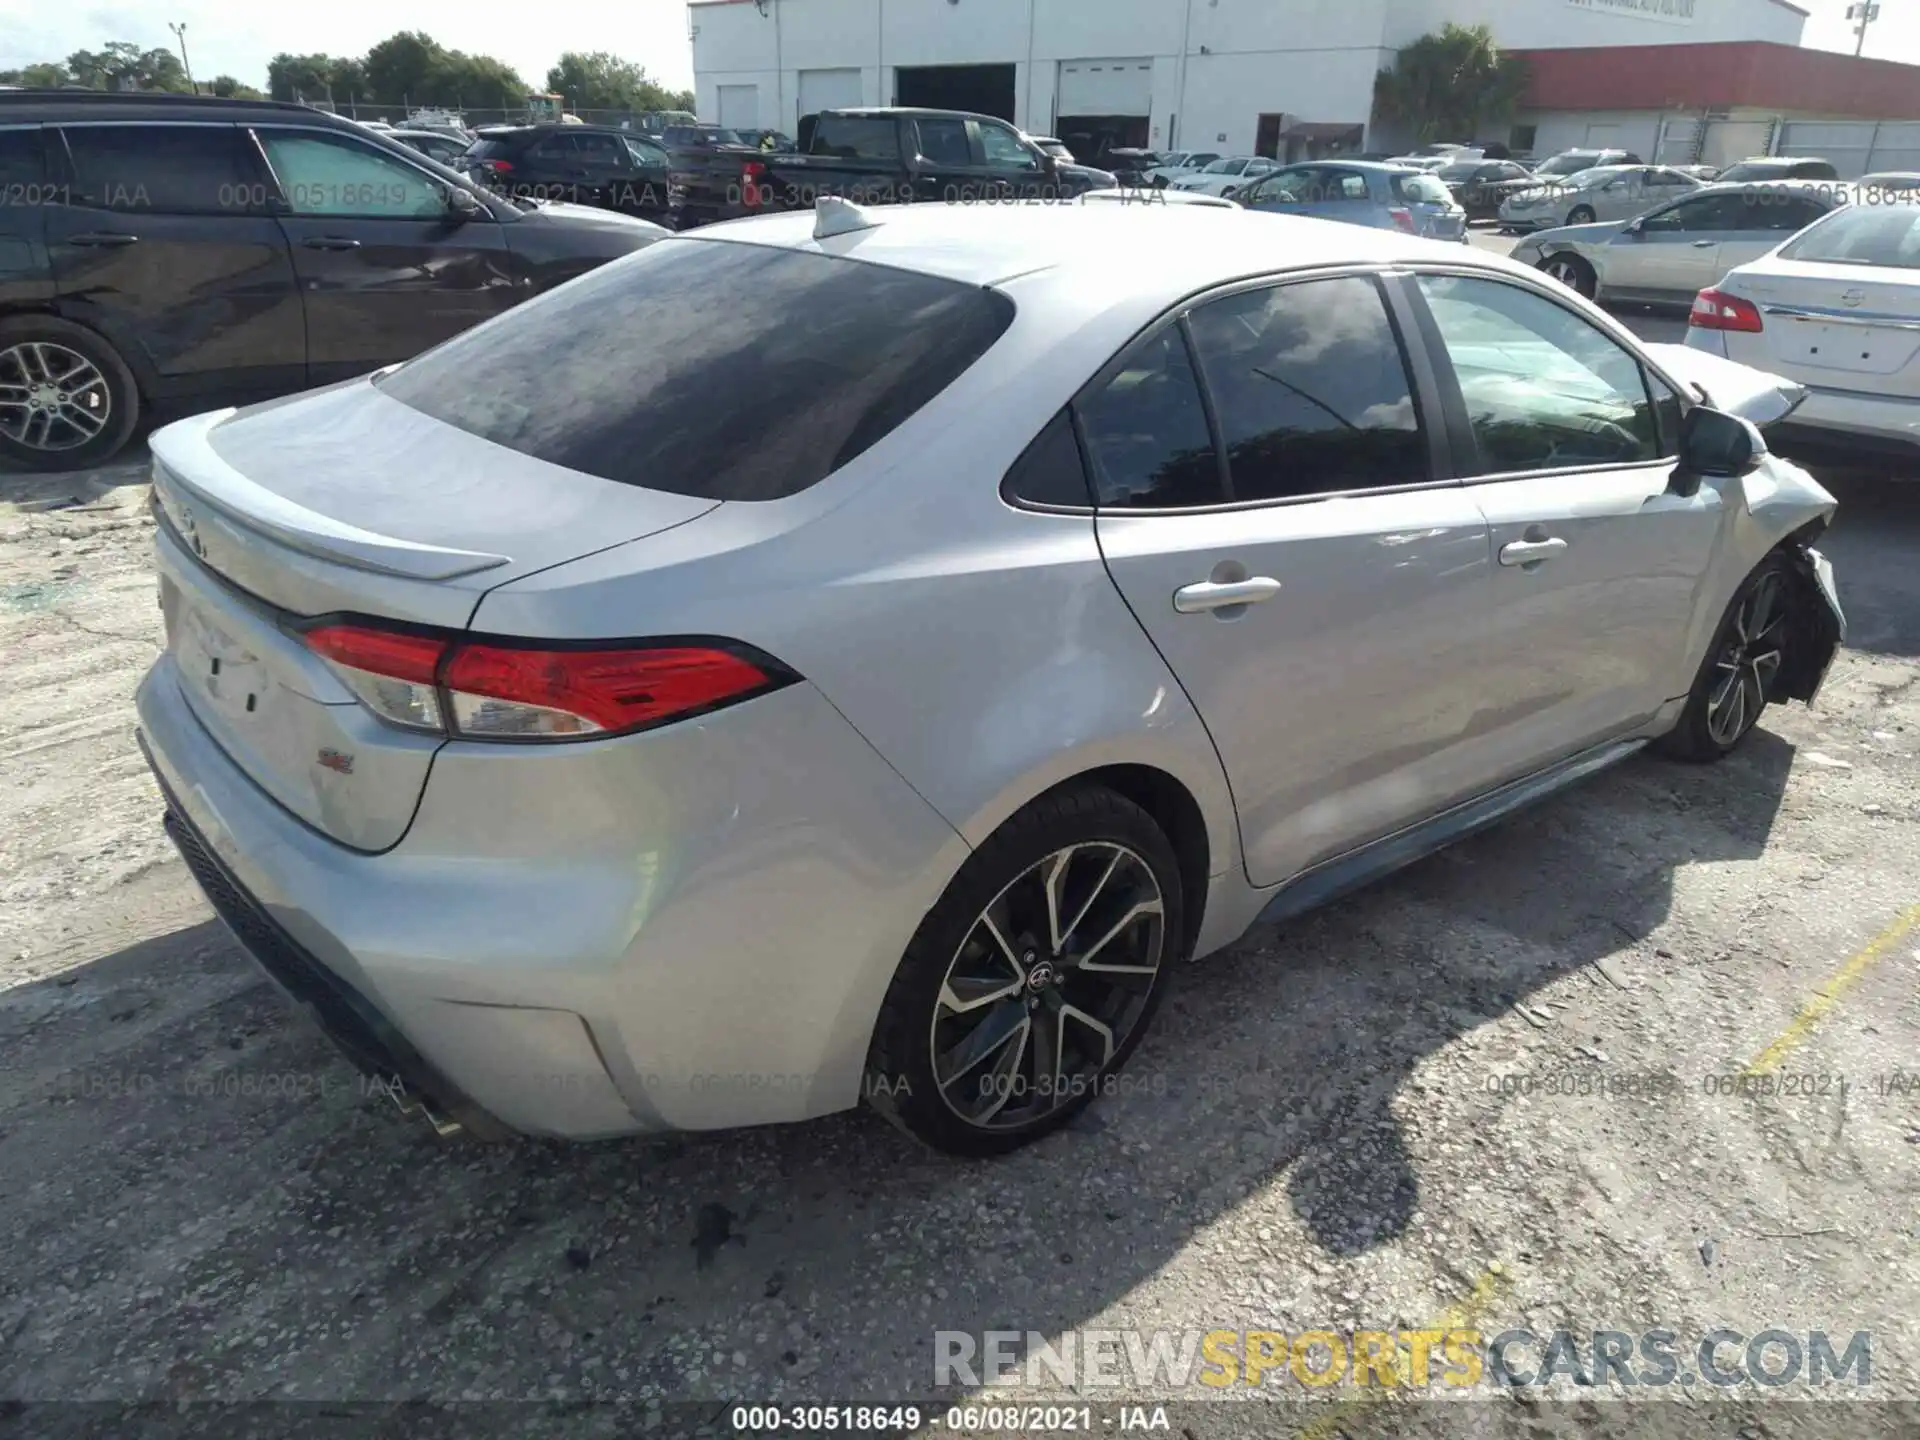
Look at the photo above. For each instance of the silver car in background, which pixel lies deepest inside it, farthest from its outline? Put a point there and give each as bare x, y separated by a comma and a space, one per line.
861, 654
1605, 192
1382, 195
1670, 254
1226, 176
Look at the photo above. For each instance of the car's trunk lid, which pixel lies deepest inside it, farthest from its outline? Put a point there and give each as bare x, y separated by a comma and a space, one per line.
344, 502
1838, 326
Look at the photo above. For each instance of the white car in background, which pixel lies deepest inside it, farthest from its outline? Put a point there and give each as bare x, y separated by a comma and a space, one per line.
1604, 192
1227, 175
1179, 163
1836, 309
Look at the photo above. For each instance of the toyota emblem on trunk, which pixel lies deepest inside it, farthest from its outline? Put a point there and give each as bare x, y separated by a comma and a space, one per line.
1852, 298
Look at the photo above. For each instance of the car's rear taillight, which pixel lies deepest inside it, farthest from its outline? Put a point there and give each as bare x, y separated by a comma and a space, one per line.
497, 167
504, 690
1402, 217
751, 175
1717, 310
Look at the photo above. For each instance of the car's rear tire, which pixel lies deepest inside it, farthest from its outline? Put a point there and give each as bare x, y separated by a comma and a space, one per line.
993, 1032
1573, 272
1746, 655
1581, 215
67, 399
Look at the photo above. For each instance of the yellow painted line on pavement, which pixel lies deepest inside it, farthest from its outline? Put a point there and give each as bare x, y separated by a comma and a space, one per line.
1463, 1315
1828, 995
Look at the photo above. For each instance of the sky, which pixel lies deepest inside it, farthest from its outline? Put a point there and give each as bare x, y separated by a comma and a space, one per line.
238, 37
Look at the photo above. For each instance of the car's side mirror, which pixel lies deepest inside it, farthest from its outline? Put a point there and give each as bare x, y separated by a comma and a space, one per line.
462, 204
1715, 445
1635, 226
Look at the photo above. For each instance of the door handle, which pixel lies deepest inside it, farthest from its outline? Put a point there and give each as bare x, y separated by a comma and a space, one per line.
1212, 595
330, 242
1705, 244
1530, 552
102, 238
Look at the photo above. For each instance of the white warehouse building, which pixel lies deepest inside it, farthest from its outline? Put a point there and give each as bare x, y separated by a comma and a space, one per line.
1290, 78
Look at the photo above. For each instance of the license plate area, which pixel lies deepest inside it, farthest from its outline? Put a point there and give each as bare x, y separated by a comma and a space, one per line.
1863, 349
226, 675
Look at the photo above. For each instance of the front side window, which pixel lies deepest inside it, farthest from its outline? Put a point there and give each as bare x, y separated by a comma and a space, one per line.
649, 371
1544, 389
598, 149
1705, 215
161, 169
647, 156
1146, 428
333, 175
1003, 149
1310, 389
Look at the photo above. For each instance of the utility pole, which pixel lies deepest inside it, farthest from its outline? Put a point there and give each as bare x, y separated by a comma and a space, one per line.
1866, 12
180, 34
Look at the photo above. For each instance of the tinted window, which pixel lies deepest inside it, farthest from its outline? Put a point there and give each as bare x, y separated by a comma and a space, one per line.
1310, 389
332, 175
945, 142
1050, 472
602, 149
20, 164
1003, 149
1544, 389
495, 147
1146, 429
1875, 235
168, 169
1708, 214
646, 154
650, 371
855, 137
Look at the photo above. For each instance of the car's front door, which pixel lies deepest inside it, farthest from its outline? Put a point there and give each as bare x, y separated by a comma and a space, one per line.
165, 244
1675, 252
387, 265
604, 167
1269, 507
1568, 439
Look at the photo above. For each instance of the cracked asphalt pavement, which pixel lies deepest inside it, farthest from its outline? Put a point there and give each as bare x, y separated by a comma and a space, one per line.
1346, 1123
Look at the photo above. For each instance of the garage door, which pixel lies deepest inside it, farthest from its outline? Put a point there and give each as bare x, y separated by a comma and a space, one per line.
1105, 87
740, 107
828, 90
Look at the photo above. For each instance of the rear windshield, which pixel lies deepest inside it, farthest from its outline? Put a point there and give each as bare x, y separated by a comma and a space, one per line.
1423, 189
1882, 236
709, 368
491, 147
1570, 163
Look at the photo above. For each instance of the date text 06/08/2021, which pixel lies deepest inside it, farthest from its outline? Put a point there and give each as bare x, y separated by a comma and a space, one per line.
961, 1419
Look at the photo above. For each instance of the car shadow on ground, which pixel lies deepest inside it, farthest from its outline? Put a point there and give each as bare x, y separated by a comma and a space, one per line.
201, 1200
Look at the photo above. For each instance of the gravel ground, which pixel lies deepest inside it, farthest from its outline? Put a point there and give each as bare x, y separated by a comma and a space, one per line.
1343, 1124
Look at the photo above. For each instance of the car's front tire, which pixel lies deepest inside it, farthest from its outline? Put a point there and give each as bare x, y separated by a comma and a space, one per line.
1732, 687
1031, 981
67, 399
1581, 215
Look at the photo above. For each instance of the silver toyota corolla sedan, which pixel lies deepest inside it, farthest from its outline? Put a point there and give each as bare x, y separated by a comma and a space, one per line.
864, 654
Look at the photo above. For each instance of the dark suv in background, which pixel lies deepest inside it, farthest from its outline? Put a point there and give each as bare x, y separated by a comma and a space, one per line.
577, 164
165, 252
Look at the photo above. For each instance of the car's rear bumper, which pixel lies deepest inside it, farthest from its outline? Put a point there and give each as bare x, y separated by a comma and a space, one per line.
690, 928
1848, 420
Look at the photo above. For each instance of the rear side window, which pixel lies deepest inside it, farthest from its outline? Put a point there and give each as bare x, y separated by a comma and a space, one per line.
160, 169
1310, 389
1147, 433
23, 188
1050, 471
856, 137
1421, 189
702, 367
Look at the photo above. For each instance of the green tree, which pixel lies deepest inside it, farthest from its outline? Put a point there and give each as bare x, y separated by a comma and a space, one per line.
122, 65
228, 88
300, 77
460, 79
47, 75
1446, 86
603, 81
400, 69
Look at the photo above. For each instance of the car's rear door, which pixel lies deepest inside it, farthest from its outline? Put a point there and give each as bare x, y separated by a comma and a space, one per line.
1269, 503
386, 266
26, 194
1602, 572
165, 245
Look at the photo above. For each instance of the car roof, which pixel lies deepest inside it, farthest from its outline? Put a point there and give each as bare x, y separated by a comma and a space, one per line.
53, 106
1370, 167
1808, 184
1163, 251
